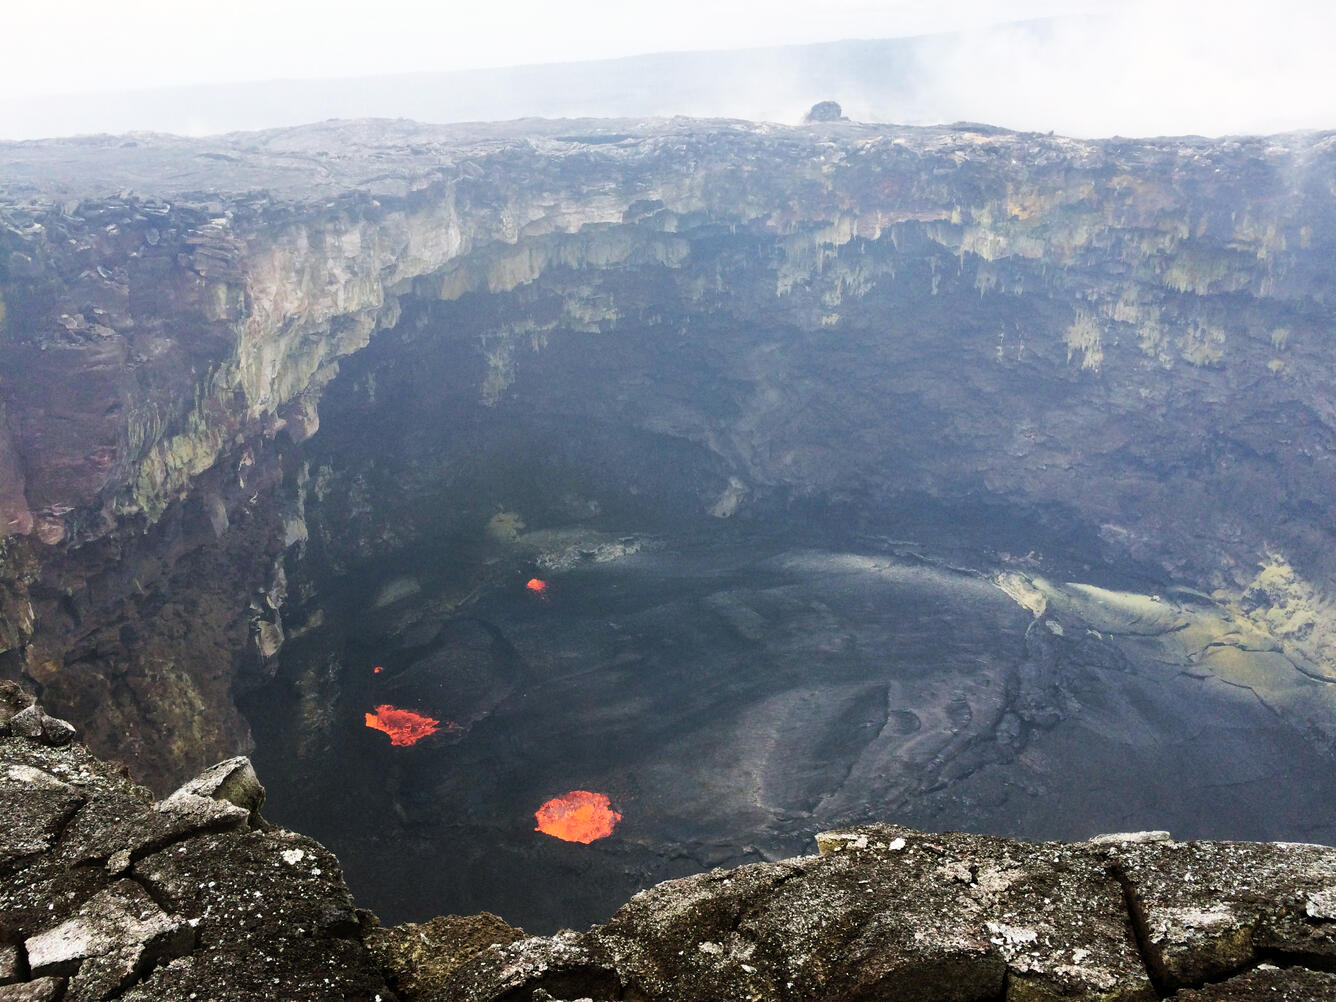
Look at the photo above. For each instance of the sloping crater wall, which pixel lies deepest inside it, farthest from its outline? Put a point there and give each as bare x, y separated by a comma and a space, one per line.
1121, 345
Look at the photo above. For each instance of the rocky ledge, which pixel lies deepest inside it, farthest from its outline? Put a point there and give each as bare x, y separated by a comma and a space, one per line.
106, 894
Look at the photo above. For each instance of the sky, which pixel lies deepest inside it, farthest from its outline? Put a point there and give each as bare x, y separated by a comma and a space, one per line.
127, 44
1129, 67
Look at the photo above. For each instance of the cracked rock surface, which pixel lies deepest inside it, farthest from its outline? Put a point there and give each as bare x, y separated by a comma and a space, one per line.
1206, 909
886, 912
105, 894
1295, 984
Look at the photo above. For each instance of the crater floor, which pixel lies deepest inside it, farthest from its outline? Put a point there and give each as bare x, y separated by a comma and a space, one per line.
733, 692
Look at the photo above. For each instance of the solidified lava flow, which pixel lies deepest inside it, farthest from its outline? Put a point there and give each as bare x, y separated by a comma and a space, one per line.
578, 816
403, 726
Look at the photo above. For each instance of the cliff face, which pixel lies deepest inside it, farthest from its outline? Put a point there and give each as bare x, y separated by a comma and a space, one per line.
1122, 342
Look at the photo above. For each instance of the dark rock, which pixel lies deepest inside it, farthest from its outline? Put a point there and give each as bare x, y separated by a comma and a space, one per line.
1293, 984
564, 966
122, 926
15, 516
272, 888
41, 990
183, 908
13, 699
117, 824
57, 732
11, 967
886, 912
27, 723
233, 781
824, 111
1206, 909
420, 958
128, 898
882, 909
36, 807
34, 723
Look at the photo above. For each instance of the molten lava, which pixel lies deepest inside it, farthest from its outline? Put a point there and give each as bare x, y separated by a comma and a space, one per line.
377, 670
537, 585
578, 816
403, 726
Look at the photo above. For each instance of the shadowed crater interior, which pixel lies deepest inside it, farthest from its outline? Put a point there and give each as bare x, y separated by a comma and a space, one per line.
746, 582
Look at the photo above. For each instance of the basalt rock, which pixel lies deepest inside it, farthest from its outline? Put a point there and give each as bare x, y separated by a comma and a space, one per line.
1289, 984
105, 894
418, 957
889, 913
825, 111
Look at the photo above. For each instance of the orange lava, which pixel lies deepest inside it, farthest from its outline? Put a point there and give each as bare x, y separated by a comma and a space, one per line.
403, 726
578, 816
536, 585
377, 670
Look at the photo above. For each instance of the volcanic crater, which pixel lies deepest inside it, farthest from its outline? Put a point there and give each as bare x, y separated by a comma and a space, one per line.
739, 482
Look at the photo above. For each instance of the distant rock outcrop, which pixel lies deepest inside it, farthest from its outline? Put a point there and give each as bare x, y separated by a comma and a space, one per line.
824, 111
105, 894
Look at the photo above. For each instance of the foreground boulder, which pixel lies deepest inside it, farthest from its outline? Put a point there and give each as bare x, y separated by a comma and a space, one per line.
888, 913
106, 894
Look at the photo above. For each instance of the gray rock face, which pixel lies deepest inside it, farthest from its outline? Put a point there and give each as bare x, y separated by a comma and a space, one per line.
889, 913
13, 701
44, 801
1205, 909
106, 894
33, 722
41, 990
120, 926
1267, 982
46, 804
10, 969
233, 781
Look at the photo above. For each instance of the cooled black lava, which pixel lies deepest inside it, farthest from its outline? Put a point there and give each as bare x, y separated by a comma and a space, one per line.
733, 696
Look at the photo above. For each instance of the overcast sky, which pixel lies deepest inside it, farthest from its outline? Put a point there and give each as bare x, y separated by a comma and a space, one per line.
1133, 67
72, 46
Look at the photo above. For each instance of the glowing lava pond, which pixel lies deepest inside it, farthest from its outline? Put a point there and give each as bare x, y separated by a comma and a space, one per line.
403, 726
744, 693
578, 816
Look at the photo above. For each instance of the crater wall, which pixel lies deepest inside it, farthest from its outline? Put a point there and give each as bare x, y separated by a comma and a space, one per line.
1125, 341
